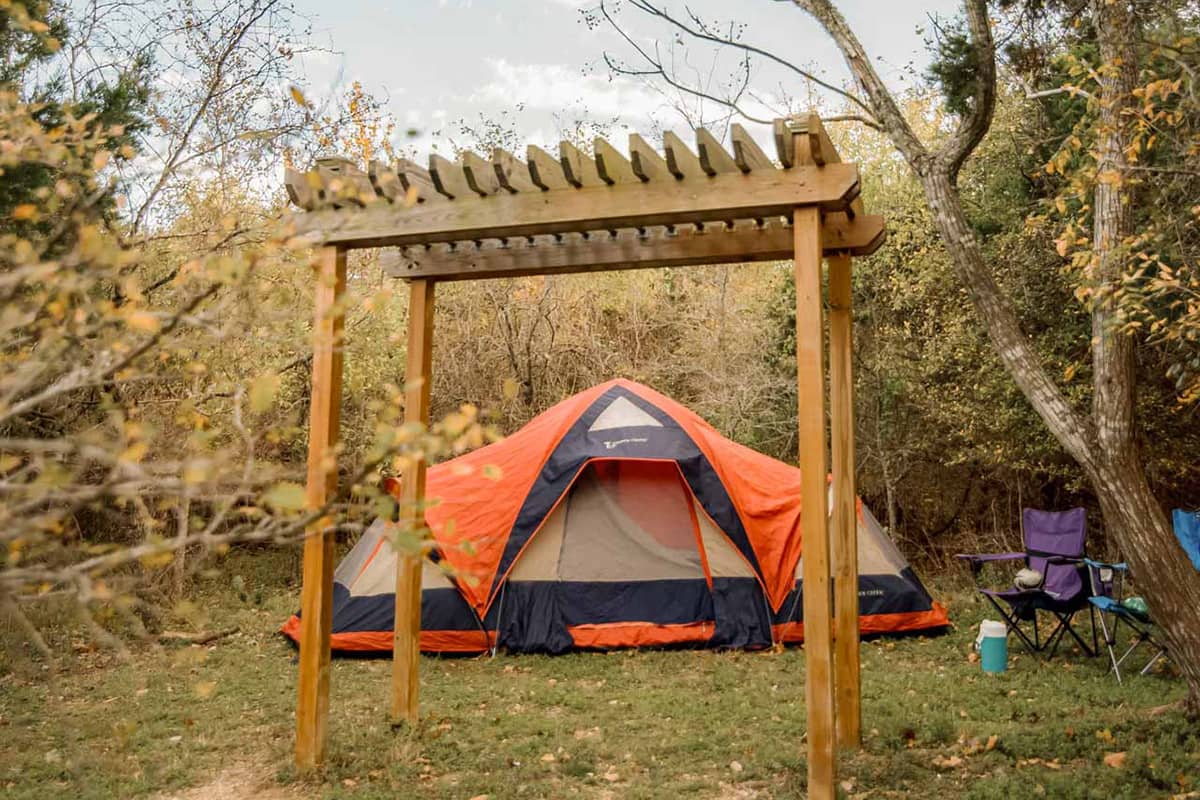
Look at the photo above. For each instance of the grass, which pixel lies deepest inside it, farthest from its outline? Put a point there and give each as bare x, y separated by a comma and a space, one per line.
627, 724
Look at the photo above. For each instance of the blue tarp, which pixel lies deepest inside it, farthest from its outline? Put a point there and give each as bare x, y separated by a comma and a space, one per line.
1187, 528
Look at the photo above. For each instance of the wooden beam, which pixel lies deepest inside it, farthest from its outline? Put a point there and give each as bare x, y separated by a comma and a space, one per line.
746, 152
480, 174
746, 242
646, 162
681, 162
450, 180
512, 173
580, 168
545, 170
847, 683
810, 380
703, 199
713, 157
612, 166
406, 642
316, 594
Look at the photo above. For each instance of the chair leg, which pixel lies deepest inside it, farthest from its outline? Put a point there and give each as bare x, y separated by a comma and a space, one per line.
1110, 641
1066, 622
1013, 624
1037, 642
1053, 641
1161, 652
1095, 641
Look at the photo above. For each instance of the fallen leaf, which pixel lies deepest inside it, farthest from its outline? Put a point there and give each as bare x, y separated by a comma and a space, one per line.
991, 742
548, 758
612, 776
1114, 760
736, 766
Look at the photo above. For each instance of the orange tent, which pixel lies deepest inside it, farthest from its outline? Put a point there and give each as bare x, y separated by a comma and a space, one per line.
616, 518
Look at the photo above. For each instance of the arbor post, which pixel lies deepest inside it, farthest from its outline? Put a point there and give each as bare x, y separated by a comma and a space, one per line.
810, 384
847, 686
316, 597
406, 642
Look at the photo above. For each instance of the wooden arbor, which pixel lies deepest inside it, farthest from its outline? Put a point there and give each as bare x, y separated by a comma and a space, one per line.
501, 217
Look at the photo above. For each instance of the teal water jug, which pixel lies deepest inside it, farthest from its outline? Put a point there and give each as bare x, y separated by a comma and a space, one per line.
993, 646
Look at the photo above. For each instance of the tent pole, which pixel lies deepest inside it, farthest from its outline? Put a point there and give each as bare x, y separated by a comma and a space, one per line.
810, 382
406, 642
845, 530
316, 599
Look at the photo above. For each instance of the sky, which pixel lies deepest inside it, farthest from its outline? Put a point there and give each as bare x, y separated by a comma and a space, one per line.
536, 65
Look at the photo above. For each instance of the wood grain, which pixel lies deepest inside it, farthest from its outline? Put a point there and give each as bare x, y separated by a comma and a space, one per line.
704, 199
847, 679
316, 594
746, 242
810, 384
406, 641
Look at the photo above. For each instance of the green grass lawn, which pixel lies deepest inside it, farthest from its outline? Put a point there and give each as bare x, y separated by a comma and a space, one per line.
627, 724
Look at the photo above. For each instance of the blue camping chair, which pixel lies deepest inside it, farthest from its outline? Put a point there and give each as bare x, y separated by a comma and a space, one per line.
1108, 596
1187, 528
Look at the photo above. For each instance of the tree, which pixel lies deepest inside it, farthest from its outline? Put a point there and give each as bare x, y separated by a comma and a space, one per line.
32, 33
1102, 440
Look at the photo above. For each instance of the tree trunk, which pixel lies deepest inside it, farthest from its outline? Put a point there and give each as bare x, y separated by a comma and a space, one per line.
1116, 470
1163, 573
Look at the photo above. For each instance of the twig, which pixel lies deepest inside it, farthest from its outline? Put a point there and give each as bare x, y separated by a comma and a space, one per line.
195, 638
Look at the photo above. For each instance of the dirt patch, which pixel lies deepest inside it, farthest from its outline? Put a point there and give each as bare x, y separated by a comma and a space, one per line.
239, 782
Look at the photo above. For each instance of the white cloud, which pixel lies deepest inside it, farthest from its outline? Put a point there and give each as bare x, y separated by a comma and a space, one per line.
558, 87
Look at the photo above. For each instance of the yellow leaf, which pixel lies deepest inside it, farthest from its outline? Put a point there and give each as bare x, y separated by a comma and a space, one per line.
142, 321
510, 389
135, 452
262, 391
100, 160
298, 97
25, 211
285, 496
1114, 760
205, 689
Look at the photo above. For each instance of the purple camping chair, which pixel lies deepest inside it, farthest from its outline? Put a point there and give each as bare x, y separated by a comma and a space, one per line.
1054, 547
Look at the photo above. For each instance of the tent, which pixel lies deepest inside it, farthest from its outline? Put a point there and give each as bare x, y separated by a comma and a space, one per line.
617, 518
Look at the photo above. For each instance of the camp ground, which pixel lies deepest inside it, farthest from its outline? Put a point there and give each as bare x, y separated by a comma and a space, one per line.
599, 399
617, 518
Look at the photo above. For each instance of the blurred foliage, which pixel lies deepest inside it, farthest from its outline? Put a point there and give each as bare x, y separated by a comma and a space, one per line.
153, 386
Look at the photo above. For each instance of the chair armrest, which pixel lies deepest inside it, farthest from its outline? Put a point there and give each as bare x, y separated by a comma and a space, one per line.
1121, 565
979, 558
